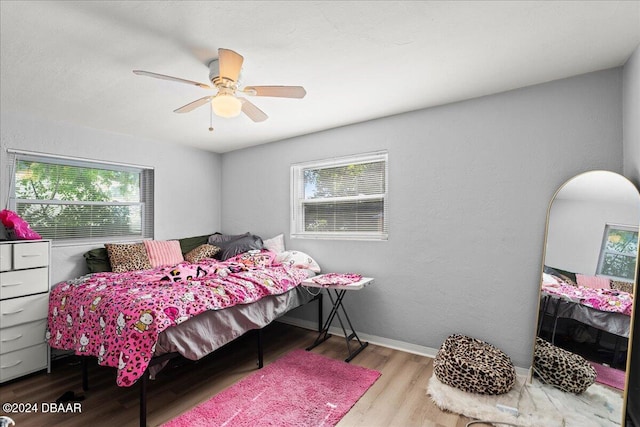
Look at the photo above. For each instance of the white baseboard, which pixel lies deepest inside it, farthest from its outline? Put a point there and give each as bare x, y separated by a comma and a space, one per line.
383, 342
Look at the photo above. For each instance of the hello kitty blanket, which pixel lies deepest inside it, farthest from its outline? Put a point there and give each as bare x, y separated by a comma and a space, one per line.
117, 317
608, 300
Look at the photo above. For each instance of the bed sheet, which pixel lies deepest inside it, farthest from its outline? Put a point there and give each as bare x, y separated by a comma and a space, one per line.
199, 336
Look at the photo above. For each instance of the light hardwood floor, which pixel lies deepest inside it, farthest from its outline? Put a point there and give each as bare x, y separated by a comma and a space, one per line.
398, 398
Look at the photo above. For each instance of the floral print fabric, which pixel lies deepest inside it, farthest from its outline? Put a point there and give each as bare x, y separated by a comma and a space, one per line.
117, 317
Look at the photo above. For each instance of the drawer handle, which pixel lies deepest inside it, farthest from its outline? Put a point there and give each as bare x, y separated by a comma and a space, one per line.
13, 312
11, 366
7, 285
29, 255
12, 339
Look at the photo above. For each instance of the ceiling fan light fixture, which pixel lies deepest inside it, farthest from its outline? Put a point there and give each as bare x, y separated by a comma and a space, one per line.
225, 105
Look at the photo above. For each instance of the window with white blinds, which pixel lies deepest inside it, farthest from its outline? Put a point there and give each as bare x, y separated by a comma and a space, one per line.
342, 198
72, 200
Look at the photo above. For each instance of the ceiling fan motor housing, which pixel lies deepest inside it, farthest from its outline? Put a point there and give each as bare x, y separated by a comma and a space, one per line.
217, 80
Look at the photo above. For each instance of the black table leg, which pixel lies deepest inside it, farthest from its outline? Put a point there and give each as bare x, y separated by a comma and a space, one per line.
336, 300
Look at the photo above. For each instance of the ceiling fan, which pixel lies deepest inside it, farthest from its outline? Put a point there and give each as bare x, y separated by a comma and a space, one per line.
224, 73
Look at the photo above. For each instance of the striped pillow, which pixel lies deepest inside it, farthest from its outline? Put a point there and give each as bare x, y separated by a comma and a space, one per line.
163, 252
594, 282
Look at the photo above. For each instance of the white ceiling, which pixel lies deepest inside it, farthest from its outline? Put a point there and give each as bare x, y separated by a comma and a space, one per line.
358, 60
601, 186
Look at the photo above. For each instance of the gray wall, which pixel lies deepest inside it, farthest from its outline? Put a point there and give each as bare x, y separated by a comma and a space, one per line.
187, 181
469, 187
631, 126
576, 231
631, 113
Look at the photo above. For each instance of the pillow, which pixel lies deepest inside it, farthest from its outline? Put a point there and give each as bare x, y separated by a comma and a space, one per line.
255, 258
548, 278
622, 286
97, 260
593, 282
275, 244
566, 276
127, 257
219, 238
163, 252
298, 259
201, 252
232, 247
190, 243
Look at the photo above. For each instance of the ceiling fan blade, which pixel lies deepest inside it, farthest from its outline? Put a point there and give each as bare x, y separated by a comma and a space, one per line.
277, 91
193, 105
173, 79
253, 112
230, 64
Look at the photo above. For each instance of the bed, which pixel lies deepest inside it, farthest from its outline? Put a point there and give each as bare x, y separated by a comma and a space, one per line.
136, 320
591, 300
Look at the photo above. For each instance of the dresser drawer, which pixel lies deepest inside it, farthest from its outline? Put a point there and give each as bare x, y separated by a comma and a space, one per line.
23, 282
23, 310
29, 255
5, 257
22, 362
21, 336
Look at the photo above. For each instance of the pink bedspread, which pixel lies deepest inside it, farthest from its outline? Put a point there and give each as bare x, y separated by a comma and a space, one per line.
601, 299
117, 317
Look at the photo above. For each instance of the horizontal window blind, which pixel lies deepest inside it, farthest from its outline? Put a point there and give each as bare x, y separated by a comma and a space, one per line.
67, 199
344, 198
619, 252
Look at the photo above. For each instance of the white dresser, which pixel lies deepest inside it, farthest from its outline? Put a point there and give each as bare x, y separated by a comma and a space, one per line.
24, 301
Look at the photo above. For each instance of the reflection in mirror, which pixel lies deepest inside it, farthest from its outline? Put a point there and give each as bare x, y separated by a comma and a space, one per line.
586, 296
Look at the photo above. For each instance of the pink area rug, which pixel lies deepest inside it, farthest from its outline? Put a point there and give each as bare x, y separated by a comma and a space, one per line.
609, 376
299, 389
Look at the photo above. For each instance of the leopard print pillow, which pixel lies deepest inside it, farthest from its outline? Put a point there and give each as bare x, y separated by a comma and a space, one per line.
127, 257
562, 369
203, 251
622, 286
474, 366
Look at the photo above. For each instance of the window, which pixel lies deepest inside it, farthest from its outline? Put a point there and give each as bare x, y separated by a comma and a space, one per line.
343, 198
618, 252
71, 200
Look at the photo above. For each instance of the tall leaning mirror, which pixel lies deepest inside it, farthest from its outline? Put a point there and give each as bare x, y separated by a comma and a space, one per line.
590, 264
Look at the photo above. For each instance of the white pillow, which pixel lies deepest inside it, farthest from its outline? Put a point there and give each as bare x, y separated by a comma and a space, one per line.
275, 244
298, 259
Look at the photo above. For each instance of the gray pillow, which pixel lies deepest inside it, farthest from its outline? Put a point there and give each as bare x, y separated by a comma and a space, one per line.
216, 238
236, 245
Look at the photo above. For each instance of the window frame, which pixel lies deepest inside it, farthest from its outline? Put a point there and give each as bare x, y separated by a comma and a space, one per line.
604, 252
145, 202
297, 200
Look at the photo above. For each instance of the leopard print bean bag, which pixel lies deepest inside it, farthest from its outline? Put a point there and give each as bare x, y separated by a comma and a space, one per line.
562, 369
474, 366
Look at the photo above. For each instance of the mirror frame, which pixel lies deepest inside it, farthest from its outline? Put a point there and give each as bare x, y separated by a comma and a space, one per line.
634, 306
